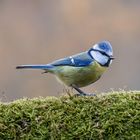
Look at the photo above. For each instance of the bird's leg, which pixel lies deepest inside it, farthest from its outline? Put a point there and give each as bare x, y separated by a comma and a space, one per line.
79, 90
82, 93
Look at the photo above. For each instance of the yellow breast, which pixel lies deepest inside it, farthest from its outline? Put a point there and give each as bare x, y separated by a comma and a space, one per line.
80, 76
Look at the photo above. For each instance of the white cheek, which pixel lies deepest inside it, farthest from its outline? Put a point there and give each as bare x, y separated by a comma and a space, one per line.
100, 58
110, 62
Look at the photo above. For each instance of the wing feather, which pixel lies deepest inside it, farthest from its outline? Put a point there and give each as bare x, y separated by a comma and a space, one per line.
79, 60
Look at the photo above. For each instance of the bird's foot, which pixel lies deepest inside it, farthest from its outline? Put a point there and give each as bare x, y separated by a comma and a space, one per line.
85, 94
81, 93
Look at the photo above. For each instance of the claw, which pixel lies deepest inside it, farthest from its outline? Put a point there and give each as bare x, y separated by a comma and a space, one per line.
84, 94
81, 93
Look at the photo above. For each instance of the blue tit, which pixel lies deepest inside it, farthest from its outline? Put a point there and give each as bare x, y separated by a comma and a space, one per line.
81, 69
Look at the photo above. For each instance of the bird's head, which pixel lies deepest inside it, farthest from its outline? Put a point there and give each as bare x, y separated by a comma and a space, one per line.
102, 52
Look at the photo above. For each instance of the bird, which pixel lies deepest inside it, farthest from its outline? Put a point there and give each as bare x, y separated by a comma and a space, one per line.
81, 69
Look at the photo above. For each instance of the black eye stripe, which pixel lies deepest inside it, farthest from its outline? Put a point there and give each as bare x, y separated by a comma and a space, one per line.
103, 53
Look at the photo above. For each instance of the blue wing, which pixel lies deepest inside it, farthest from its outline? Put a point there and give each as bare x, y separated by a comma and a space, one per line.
79, 60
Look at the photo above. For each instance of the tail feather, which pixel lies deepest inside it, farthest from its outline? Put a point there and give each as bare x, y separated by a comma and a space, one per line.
43, 67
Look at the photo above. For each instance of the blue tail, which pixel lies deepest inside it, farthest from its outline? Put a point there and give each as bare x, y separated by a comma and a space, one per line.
43, 67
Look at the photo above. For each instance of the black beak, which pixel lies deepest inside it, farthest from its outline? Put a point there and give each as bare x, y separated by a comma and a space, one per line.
112, 58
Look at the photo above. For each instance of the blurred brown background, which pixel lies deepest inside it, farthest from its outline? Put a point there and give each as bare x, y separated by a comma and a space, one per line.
40, 31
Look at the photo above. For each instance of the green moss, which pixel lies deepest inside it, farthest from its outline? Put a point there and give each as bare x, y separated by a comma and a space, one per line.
108, 117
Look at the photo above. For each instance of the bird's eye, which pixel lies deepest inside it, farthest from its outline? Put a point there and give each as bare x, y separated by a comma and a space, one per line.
103, 53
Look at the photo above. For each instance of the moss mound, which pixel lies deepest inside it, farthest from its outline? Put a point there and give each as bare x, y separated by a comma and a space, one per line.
111, 116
